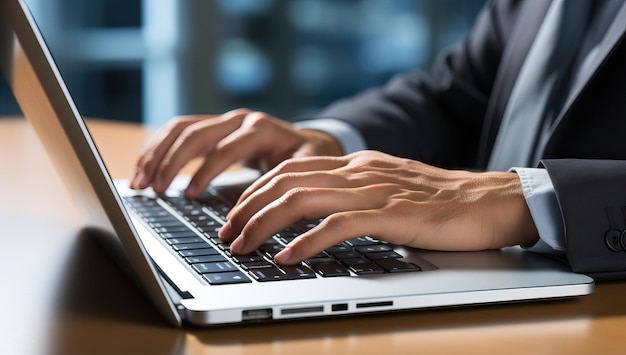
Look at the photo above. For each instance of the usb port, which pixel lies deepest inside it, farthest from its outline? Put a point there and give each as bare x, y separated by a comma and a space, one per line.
338, 307
256, 314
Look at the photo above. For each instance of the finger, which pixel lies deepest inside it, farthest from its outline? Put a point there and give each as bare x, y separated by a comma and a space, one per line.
282, 187
241, 143
156, 148
296, 205
259, 135
307, 164
333, 230
193, 142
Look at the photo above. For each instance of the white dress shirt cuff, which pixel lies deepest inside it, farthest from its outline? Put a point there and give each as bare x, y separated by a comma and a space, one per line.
349, 137
544, 208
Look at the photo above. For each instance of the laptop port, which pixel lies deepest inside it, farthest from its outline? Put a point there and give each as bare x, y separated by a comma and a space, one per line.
338, 307
256, 314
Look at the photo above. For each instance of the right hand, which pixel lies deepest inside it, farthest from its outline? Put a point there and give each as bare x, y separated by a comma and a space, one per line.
256, 138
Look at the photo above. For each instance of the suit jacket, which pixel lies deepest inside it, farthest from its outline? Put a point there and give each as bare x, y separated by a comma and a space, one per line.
451, 117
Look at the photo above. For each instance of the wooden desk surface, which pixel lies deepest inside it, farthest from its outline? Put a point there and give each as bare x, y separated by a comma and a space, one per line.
62, 294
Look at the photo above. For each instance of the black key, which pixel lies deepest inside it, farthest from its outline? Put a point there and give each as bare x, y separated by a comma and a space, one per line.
383, 255
271, 249
173, 229
223, 246
288, 235
187, 240
250, 258
222, 210
394, 265
321, 255
377, 248
215, 240
205, 259
267, 274
187, 208
298, 272
192, 212
330, 270
361, 241
366, 269
224, 278
138, 199
166, 222
180, 202
356, 261
270, 241
186, 234
209, 226
160, 213
216, 205
190, 246
261, 264
210, 200
347, 255
339, 248
274, 274
209, 268
319, 261
151, 220
198, 252
201, 218
147, 206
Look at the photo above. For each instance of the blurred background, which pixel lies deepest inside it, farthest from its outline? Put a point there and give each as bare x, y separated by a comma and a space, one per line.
148, 60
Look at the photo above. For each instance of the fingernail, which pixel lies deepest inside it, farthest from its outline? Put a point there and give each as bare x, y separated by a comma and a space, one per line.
283, 256
237, 245
224, 232
137, 182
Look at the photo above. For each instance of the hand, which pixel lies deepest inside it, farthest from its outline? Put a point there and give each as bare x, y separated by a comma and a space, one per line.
222, 140
370, 193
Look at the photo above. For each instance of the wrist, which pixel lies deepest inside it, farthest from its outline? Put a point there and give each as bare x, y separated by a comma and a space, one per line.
517, 225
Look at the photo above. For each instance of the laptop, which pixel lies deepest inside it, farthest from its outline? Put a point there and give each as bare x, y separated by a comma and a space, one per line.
169, 244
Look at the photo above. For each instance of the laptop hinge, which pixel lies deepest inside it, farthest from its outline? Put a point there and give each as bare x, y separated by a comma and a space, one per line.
176, 294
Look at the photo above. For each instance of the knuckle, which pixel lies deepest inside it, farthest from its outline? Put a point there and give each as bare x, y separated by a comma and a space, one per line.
295, 197
257, 119
282, 182
179, 123
233, 115
190, 133
289, 166
338, 221
238, 111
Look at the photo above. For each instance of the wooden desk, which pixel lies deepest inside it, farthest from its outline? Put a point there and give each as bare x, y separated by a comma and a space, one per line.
62, 294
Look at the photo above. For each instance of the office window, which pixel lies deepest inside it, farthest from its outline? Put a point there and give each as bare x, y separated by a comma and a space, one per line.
147, 60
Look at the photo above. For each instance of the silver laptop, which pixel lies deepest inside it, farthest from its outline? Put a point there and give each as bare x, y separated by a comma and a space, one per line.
169, 244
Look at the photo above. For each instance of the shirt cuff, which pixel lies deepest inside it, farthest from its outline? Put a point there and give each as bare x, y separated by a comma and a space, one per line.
348, 137
544, 209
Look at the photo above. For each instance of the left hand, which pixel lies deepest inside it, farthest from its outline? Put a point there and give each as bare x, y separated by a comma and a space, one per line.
400, 201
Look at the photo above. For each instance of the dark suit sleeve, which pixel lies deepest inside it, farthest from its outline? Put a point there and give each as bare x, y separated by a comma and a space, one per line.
436, 118
592, 198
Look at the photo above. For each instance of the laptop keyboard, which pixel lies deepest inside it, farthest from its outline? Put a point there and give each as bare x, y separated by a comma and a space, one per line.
192, 234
